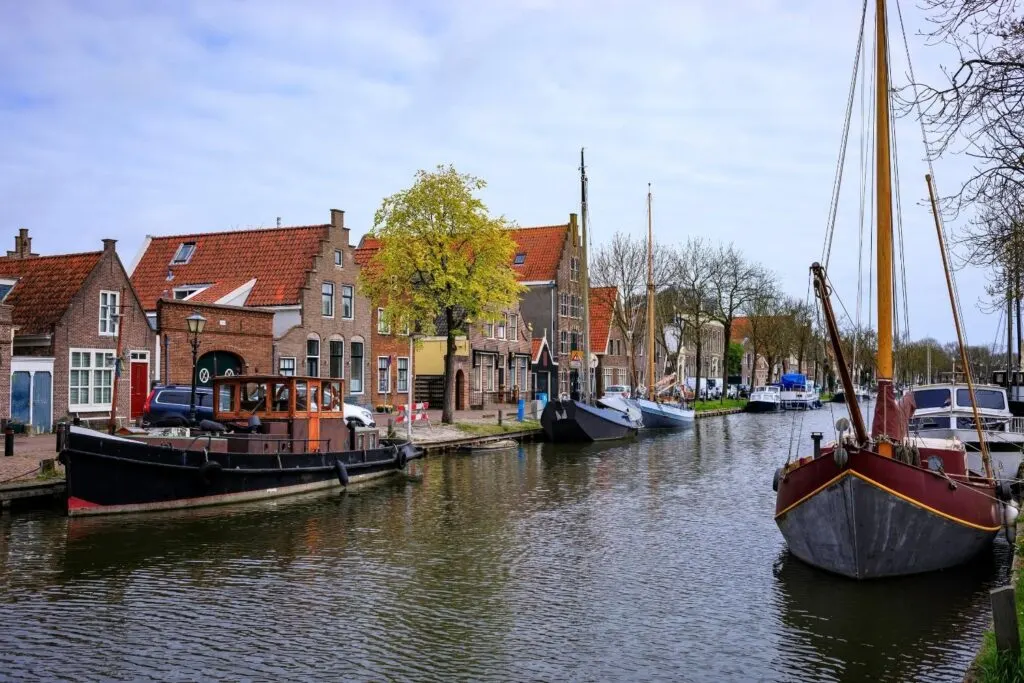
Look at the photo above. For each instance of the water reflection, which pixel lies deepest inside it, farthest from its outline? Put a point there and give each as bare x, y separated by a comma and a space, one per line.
653, 559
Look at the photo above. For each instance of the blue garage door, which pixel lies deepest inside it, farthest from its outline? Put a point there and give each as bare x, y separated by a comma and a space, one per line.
21, 397
42, 396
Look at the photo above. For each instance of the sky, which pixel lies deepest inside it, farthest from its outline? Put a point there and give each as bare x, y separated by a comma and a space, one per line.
122, 119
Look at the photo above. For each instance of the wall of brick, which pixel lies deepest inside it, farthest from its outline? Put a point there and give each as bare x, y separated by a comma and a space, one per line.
395, 346
5, 362
617, 361
79, 328
293, 342
245, 332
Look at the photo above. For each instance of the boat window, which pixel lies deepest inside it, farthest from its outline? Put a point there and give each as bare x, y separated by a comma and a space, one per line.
314, 397
989, 424
990, 399
224, 402
300, 396
281, 393
253, 396
931, 398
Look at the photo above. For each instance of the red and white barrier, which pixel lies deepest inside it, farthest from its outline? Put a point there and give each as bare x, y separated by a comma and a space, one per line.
419, 412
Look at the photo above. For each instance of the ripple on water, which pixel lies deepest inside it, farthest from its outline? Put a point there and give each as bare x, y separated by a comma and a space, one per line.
656, 559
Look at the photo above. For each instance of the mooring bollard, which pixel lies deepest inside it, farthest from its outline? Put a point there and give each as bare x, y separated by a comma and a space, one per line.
501, 416
816, 438
47, 466
8, 441
1004, 621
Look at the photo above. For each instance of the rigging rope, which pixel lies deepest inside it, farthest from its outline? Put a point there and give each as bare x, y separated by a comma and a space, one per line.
837, 182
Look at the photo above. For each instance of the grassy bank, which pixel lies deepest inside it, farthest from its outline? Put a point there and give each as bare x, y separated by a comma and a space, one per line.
989, 666
717, 404
483, 429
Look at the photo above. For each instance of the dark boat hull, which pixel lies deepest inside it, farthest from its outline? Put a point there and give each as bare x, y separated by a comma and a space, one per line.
877, 517
576, 422
106, 476
662, 416
762, 407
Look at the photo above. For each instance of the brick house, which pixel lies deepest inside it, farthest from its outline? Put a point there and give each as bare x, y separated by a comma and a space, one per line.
230, 331
68, 312
606, 339
548, 261
305, 276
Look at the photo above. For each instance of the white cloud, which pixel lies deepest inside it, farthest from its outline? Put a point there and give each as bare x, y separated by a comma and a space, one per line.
119, 120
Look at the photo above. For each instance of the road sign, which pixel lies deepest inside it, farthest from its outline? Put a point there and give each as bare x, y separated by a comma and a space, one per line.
576, 359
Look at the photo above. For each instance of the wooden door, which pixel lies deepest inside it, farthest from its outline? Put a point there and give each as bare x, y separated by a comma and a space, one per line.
139, 387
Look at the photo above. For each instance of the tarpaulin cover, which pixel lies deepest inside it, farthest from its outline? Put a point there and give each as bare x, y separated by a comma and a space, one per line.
891, 417
793, 380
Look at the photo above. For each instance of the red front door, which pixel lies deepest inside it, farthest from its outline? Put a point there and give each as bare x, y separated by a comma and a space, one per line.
140, 387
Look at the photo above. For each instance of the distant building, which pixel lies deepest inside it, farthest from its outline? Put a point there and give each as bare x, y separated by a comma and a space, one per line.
606, 339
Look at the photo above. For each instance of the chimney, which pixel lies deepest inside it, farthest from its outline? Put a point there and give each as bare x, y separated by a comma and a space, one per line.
279, 221
337, 218
108, 244
22, 245
574, 229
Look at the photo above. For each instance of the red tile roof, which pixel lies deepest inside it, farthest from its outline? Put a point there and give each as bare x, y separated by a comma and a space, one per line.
740, 329
602, 309
46, 285
543, 250
278, 258
535, 346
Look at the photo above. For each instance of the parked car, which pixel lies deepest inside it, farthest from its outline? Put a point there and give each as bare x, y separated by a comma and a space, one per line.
169, 404
732, 391
616, 390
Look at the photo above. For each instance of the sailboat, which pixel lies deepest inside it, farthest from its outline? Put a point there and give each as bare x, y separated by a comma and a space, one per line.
655, 414
882, 503
575, 420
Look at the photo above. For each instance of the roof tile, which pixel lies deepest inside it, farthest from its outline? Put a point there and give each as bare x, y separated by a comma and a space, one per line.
542, 248
45, 287
278, 258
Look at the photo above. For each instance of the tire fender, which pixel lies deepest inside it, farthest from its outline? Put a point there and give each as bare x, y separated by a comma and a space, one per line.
209, 471
342, 471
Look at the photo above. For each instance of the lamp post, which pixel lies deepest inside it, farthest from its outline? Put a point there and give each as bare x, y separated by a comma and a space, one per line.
196, 324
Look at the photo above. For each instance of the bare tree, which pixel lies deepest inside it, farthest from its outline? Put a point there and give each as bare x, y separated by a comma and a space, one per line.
696, 268
737, 283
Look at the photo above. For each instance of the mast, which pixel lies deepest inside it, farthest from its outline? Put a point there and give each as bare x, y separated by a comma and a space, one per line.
883, 192
1009, 330
650, 299
585, 279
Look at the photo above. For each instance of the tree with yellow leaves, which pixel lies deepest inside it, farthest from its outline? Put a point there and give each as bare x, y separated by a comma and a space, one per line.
443, 260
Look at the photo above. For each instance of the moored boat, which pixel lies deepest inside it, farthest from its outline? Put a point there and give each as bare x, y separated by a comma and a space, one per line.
658, 415
575, 421
296, 442
764, 400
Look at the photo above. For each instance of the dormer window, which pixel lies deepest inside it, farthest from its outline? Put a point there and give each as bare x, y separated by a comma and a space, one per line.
184, 253
520, 259
5, 288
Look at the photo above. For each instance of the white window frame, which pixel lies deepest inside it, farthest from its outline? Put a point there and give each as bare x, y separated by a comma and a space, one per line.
563, 305
177, 260
309, 356
280, 363
501, 328
351, 302
95, 374
186, 291
107, 313
489, 330
563, 342
330, 300
339, 258
513, 327
574, 269
362, 367
384, 387
402, 380
382, 324
9, 283
608, 378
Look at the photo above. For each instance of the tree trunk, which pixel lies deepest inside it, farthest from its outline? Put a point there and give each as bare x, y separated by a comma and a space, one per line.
727, 332
448, 409
698, 347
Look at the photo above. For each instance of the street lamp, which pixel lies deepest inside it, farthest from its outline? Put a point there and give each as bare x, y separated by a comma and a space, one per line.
196, 324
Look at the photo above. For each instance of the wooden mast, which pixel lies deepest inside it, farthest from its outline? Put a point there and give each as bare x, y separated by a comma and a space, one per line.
585, 278
653, 394
883, 192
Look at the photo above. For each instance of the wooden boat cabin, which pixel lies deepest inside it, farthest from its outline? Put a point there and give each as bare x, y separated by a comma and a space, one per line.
287, 415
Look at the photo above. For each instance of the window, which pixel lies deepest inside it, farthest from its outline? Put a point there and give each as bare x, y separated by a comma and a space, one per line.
520, 259
608, 378
513, 327
346, 302
327, 299
109, 313
574, 340
382, 324
337, 348
355, 384
489, 330
91, 380
184, 253
383, 375
187, 291
520, 366
313, 357
574, 269
487, 364
286, 366
501, 329
339, 260
563, 342
5, 287
563, 304
403, 374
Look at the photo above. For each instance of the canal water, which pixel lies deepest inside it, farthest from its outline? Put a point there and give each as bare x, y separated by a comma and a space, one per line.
651, 560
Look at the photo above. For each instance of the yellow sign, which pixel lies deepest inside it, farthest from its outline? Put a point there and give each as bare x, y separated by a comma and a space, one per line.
576, 359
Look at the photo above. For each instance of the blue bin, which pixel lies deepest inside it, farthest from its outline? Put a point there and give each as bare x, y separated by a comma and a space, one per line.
521, 412
542, 396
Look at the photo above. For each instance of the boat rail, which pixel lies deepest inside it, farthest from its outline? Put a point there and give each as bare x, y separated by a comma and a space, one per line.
1016, 425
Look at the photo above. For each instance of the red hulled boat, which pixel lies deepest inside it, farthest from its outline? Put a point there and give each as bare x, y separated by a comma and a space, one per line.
884, 504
